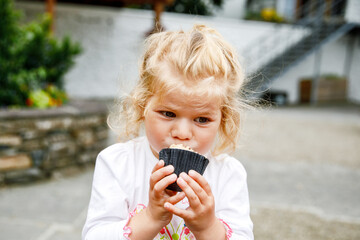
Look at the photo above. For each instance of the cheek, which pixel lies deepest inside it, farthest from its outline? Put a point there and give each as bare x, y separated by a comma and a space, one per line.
151, 128
207, 138
155, 132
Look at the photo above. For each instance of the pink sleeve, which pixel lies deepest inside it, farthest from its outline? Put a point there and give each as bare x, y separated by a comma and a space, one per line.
228, 229
127, 230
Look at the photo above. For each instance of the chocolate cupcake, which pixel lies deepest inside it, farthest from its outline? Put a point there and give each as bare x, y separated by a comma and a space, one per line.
183, 159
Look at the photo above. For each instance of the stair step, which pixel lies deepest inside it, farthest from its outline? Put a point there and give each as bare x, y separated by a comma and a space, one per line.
280, 64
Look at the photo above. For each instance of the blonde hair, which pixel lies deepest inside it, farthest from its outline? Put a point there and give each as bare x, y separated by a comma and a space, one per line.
208, 67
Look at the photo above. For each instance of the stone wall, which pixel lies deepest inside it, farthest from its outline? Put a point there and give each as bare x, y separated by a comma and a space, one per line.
36, 142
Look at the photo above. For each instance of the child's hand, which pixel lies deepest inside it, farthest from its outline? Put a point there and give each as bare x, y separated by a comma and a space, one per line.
155, 213
160, 178
200, 216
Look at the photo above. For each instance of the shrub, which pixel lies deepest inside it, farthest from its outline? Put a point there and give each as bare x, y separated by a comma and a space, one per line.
31, 60
266, 14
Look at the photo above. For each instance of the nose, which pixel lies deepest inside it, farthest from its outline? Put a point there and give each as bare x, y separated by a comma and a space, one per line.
181, 129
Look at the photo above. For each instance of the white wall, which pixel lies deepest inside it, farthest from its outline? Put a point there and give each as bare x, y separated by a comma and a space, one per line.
286, 8
352, 13
332, 62
354, 91
232, 9
112, 40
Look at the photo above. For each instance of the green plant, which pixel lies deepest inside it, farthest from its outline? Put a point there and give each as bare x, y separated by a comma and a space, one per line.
266, 14
31, 60
332, 76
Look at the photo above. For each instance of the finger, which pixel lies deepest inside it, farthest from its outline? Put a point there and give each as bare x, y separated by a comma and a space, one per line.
201, 181
185, 214
176, 198
158, 165
160, 186
189, 192
160, 174
200, 192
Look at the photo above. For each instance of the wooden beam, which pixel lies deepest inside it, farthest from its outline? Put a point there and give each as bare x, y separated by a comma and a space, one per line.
50, 9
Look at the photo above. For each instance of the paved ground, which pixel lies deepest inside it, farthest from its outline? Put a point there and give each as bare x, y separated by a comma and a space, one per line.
304, 172
300, 187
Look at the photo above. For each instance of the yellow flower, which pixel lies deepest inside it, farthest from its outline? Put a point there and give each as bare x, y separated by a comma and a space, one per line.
268, 14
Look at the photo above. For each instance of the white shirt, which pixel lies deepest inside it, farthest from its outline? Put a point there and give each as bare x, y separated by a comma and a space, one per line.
121, 188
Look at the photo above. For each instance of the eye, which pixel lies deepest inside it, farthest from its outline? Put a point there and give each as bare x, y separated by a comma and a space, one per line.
168, 114
201, 120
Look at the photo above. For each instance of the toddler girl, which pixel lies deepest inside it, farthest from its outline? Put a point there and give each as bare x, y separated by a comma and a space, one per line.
187, 94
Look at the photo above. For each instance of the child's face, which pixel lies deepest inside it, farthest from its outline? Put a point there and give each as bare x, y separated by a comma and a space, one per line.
179, 120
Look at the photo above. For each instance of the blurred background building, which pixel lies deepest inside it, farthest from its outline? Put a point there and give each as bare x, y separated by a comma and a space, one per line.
292, 50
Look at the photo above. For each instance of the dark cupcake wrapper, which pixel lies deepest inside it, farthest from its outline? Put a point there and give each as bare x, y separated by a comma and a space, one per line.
183, 161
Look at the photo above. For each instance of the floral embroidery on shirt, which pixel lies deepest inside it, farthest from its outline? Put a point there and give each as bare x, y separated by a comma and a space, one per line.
163, 234
168, 232
186, 234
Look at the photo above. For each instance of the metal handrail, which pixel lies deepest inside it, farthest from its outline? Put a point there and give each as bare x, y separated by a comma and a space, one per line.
266, 47
260, 40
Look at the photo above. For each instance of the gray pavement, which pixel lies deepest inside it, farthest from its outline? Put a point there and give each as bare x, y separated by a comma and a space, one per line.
304, 198
330, 192
51, 209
